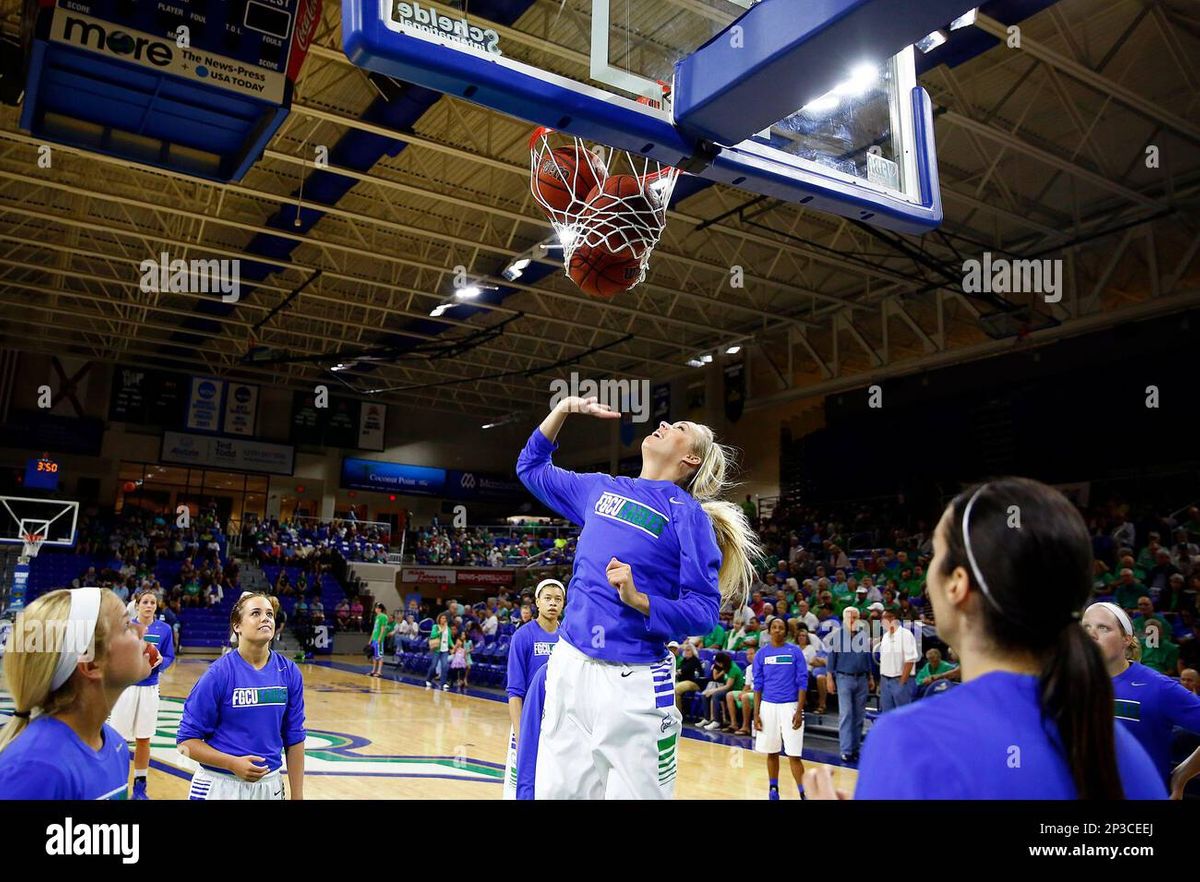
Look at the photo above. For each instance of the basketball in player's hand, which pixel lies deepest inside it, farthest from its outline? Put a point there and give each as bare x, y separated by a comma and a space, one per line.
565, 175
153, 654
600, 273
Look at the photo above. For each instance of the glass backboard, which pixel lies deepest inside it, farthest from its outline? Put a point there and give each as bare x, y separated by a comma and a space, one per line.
606, 70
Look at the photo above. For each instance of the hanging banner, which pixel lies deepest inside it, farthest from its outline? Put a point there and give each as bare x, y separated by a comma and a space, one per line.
204, 405
735, 391
372, 418
241, 409
660, 410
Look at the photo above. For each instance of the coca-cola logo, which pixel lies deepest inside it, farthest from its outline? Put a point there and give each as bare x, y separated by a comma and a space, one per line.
306, 26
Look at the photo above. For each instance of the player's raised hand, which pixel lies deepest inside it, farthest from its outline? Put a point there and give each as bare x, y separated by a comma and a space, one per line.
589, 407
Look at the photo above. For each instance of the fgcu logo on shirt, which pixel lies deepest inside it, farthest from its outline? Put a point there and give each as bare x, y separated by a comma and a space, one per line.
618, 508
260, 696
542, 648
778, 660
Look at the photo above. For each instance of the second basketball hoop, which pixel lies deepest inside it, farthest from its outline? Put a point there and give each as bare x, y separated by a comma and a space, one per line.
607, 207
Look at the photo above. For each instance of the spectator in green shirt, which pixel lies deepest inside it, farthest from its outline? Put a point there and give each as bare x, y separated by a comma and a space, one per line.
741, 699
1158, 652
934, 668
1102, 578
912, 582
735, 640
860, 601
1145, 612
714, 639
1147, 558
750, 509
726, 676
1128, 591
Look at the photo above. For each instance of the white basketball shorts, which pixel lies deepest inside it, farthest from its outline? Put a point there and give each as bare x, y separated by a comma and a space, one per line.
135, 715
777, 733
215, 785
609, 730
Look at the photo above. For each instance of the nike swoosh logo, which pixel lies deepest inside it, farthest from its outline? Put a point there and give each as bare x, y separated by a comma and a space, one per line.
626, 673
677, 501
1137, 684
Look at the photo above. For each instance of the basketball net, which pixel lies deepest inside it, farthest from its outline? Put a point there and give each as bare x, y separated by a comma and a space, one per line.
31, 543
629, 223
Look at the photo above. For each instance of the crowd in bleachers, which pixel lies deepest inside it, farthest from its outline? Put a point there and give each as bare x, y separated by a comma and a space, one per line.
492, 547
482, 631
818, 565
308, 545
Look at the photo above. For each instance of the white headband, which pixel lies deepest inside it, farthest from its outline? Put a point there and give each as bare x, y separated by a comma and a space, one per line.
79, 637
971, 554
542, 584
1122, 617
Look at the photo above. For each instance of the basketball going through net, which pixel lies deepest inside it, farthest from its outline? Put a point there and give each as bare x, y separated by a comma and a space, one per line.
607, 206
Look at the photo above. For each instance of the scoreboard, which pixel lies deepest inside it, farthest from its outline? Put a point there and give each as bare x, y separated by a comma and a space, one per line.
41, 474
196, 85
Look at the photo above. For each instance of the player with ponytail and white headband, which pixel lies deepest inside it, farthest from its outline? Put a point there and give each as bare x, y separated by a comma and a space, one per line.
135, 715
528, 652
1148, 704
656, 557
1033, 716
71, 654
244, 713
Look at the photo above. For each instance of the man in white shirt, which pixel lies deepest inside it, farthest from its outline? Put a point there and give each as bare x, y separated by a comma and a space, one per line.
803, 614
874, 595
491, 623
898, 656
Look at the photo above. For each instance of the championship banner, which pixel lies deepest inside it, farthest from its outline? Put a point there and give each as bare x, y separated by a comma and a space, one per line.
204, 405
148, 397
372, 418
241, 409
735, 391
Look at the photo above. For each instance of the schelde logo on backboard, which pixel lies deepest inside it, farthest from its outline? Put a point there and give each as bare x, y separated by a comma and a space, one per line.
423, 17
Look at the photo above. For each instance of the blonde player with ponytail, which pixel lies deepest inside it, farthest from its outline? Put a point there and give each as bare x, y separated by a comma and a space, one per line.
70, 655
657, 557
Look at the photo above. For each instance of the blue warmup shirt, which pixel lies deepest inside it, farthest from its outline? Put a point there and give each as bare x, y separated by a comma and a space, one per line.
49, 761
243, 712
656, 528
780, 673
528, 651
985, 739
1149, 704
161, 636
531, 732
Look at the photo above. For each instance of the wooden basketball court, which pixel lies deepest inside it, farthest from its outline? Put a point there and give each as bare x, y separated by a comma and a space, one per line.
382, 739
